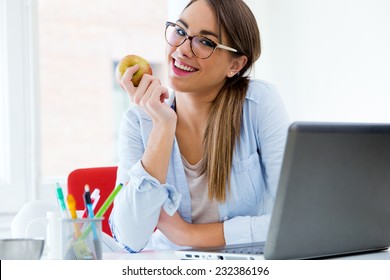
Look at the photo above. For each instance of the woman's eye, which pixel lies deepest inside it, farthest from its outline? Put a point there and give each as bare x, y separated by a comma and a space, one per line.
206, 42
180, 31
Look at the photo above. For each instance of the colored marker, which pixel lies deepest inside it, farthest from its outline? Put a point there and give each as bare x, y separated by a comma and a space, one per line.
61, 201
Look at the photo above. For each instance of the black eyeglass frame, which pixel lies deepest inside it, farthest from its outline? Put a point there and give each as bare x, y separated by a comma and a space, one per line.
188, 37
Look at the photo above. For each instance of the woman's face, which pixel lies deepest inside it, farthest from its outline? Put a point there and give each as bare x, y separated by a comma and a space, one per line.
188, 73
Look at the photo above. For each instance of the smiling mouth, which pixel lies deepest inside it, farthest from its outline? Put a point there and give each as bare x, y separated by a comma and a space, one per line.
184, 67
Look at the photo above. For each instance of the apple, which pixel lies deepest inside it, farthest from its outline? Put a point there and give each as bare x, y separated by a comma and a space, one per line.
131, 60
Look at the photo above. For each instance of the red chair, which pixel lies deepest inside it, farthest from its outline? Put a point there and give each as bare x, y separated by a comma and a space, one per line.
102, 178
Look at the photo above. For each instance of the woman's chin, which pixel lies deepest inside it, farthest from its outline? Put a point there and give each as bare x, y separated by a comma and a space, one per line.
177, 85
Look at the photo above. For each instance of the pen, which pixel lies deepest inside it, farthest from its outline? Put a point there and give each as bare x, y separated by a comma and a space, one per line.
95, 196
88, 201
108, 201
61, 201
88, 205
72, 208
103, 209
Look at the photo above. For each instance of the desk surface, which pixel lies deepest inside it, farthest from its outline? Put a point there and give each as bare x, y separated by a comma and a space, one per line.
170, 255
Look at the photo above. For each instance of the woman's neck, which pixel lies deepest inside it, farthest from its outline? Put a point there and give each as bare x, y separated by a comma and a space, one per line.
193, 110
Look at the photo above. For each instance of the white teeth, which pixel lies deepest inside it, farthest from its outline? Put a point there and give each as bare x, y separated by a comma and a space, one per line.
184, 67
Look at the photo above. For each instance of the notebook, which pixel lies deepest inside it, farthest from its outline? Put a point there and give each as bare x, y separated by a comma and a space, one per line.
333, 196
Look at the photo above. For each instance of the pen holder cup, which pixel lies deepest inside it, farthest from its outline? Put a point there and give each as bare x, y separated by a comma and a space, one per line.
81, 239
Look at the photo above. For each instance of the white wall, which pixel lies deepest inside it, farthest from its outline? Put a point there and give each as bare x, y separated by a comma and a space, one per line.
175, 8
330, 59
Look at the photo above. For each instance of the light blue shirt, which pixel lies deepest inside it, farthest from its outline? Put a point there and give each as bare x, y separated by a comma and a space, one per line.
255, 173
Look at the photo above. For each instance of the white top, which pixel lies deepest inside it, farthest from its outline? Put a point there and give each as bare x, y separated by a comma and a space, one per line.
203, 210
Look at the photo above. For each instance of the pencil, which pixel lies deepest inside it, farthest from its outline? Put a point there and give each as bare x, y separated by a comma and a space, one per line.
103, 209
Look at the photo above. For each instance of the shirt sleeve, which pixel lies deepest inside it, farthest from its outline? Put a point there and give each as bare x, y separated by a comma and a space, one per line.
271, 124
272, 131
246, 229
137, 206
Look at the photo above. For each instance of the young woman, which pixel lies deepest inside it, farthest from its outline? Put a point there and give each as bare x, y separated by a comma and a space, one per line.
201, 165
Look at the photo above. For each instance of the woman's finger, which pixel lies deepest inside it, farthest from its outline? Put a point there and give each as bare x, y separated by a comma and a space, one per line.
164, 94
149, 92
143, 87
126, 82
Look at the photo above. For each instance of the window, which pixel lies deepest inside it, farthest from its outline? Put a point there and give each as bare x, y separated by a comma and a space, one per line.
80, 102
17, 88
60, 106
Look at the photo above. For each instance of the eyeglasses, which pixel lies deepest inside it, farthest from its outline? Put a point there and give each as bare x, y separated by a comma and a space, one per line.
201, 46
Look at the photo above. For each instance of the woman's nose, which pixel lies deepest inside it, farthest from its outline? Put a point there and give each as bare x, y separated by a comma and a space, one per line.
185, 49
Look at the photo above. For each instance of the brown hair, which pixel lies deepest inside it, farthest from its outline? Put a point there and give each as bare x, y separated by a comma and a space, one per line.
224, 122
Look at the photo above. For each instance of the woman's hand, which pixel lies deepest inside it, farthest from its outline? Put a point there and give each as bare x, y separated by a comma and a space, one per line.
185, 234
175, 228
150, 96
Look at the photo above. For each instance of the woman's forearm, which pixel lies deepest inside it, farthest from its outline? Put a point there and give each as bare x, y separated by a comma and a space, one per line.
137, 208
195, 235
206, 235
158, 151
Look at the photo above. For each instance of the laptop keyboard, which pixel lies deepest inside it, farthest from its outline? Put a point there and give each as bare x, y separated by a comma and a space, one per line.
257, 250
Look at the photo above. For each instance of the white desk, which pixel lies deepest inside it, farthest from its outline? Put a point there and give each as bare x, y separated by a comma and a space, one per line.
170, 255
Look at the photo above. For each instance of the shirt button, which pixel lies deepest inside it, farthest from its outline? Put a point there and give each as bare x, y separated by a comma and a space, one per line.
225, 218
171, 206
174, 198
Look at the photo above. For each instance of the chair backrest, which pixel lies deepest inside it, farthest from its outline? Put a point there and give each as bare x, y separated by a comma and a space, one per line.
102, 178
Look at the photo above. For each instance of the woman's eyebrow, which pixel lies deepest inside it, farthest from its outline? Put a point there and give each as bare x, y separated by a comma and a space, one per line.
202, 32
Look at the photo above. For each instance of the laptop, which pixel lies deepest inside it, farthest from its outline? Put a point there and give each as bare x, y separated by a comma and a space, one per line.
333, 196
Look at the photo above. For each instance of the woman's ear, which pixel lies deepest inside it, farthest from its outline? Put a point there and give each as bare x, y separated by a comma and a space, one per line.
237, 64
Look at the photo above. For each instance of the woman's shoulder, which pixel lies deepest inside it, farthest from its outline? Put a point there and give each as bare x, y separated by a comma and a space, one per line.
261, 92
